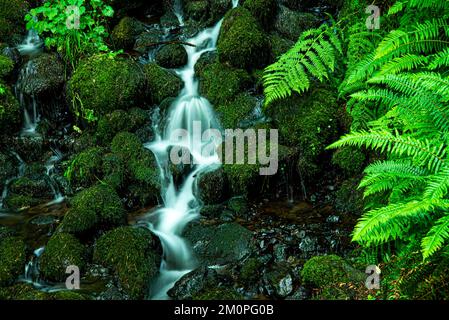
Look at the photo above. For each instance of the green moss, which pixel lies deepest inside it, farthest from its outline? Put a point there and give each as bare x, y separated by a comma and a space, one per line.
241, 177
263, 10
172, 56
125, 32
144, 169
119, 120
242, 43
78, 221
279, 45
12, 13
18, 201
329, 270
162, 83
197, 10
127, 145
104, 84
22, 292
220, 84
33, 188
6, 66
102, 200
61, 251
12, 259
129, 253
350, 159
10, 115
85, 168
234, 112
113, 170
68, 295
307, 123
291, 24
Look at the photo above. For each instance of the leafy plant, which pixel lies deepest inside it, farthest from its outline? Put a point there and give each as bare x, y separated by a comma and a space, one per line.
75, 28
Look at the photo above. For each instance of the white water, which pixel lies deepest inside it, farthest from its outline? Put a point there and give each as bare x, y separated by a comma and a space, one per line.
50, 172
180, 204
31, 115
31, 45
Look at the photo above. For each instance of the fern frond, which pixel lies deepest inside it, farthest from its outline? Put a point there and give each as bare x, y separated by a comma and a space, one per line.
436, 237
314, 55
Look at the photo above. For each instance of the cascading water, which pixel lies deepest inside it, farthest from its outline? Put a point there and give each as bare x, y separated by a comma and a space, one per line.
50, 172
22, 167
28, 103
180, 206
32, 44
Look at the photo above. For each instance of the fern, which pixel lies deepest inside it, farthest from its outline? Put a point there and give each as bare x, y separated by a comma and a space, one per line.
436, 237
313, 55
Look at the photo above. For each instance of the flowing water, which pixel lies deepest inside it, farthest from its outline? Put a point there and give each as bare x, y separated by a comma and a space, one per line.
180, 203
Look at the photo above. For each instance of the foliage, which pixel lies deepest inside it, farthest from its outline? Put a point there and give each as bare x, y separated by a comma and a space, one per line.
57, 22
397, 91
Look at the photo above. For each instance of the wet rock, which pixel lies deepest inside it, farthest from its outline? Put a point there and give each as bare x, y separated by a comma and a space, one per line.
169, 20
349, 198
239, 205
147, 40
308, 246
193, 283
205, 60
10, 115
12, 24
250, 271
172, 56
42, 76
34, 188
279, 281
220, 245
263, 10
291, 24
300, 294
13, 54
8, 168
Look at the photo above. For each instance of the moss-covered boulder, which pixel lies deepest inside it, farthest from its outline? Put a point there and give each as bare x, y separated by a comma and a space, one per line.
291, 23
351, 160
125, 32
130, 253
18, 201
242, 178
250, 271
10, 115
38, 188
349, 198
96, 206
240, 27
172, 56
197, 10
85, 168
329, 270
103, 84
126, 145
220, 84
263, 10
12, 22
12, 259
61, 251
162, 83
8, 168
233, 113
219, 293
279, 45
23, 292
307, 123
119, 120
211, 187
6, 66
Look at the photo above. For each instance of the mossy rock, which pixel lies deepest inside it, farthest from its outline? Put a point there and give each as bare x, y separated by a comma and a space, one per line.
240, 27
145, 171
327, 270
162, 83
12, 23
197, 10
6, 66
279, 45
23, 292
211, 187
10, 115
12, 259
220, 84
241, 177
351, 160
98, 204
114, 170
33, 188
127, 145
349, 198
85, 168
68, 295
18, 201
130, 253
263, 10
61, 251
172, 56
8, 168
291, 23
125, 32
233, 114
103, 84
307, 123
119, 120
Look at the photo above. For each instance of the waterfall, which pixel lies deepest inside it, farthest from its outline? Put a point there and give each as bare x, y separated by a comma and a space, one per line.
31, 274
28, 103
31, 45
50, 168
180, 203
